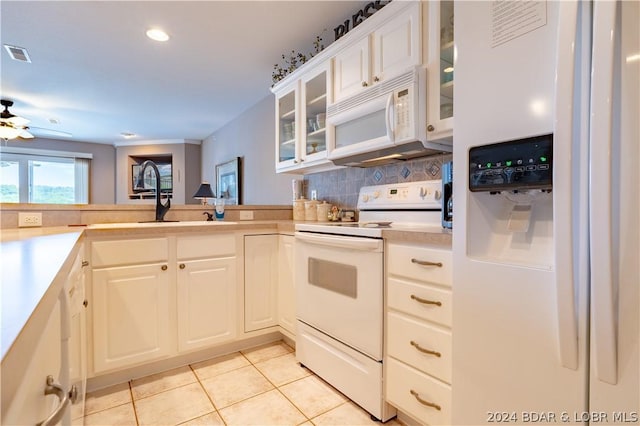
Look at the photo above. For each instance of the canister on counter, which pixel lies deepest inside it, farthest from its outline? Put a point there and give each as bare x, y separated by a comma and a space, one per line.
311, 210
323, 211
298, 209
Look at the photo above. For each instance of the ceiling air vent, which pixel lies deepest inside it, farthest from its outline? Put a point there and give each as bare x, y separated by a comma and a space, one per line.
18, 53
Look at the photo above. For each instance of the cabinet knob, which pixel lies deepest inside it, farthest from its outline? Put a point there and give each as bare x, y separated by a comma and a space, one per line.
376, 79
73, 394
182, 266
364, 84
163, 267
85, 303
430, 128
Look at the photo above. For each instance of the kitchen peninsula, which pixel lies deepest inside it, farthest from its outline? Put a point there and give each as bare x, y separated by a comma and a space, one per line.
50, 258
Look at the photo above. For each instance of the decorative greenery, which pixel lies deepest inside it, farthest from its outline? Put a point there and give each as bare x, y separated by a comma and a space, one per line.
295, 59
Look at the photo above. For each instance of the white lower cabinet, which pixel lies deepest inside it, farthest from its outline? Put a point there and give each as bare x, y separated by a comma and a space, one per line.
130, 315
260, 281
206, 291
153, 298
419, 337
29, 405
286, 284
130, 302
77, 341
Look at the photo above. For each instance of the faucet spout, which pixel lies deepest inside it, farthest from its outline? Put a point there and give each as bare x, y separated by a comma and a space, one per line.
161, 209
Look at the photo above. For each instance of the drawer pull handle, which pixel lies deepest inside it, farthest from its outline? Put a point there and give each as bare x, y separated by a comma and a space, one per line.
425, 351
85, 263
426, 263
53, 388
425, 301
423, 402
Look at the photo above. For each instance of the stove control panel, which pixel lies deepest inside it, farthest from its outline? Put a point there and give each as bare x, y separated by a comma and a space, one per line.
407, 196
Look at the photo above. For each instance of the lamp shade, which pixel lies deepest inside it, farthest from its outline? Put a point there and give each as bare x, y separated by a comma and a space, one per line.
204, 191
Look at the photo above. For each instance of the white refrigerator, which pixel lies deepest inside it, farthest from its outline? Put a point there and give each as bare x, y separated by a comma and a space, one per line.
546, 303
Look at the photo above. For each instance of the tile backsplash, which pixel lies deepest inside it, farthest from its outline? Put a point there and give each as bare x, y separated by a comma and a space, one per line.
340, 187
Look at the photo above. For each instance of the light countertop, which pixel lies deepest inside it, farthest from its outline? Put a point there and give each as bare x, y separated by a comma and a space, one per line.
36, 261
33, 264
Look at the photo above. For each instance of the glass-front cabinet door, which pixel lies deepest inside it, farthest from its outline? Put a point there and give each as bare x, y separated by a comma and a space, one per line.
314, 99
301, 108
286, 114
441, 71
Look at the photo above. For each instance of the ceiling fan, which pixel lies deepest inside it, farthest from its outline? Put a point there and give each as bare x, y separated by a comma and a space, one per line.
12, 126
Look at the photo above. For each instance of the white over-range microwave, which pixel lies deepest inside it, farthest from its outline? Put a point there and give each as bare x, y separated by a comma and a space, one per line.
383, 123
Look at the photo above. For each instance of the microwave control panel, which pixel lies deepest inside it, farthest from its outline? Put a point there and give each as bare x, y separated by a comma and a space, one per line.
511, 166
403, 114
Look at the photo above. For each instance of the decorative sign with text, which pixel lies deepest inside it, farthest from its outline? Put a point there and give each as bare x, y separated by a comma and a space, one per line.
358, 17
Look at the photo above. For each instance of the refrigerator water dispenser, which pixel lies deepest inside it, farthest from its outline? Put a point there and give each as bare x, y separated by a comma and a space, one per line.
510, 203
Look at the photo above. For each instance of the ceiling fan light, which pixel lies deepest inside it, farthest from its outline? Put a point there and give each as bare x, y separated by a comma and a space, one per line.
8, 132
25, 134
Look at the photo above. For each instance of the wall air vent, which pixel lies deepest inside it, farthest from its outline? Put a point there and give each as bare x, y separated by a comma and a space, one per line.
18, 53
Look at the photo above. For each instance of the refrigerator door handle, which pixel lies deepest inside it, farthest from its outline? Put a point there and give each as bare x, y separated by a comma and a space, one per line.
603, 290
563, 184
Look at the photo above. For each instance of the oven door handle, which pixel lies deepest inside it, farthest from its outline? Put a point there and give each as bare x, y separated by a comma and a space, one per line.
354, 243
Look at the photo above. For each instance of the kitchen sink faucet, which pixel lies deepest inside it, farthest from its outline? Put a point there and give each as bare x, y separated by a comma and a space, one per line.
161, 209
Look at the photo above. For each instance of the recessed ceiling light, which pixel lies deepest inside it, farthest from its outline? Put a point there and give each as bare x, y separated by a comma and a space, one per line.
127, 135
157, 34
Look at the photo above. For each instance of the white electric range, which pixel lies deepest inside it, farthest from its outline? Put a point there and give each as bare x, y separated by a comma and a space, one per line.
340, 288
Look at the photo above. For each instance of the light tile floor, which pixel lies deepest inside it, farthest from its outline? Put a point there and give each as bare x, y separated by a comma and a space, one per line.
260, 386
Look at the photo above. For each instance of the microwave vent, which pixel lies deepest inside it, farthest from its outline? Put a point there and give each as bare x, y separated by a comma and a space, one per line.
379, 89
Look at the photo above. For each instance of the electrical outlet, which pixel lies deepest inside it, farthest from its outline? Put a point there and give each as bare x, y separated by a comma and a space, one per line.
27, 219
314, 194
246, 214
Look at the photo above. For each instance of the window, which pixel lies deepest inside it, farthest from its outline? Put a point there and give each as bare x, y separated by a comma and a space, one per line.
48, 177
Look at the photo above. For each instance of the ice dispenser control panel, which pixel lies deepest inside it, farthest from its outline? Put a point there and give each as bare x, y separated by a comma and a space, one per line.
510, 166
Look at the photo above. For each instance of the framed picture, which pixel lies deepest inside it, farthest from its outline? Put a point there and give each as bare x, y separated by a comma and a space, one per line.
228, 181
166, 180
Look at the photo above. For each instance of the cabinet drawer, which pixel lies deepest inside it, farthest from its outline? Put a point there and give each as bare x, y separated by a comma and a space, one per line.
424, 301
409, 339
201, 246
407, 387
411, 262
128, 252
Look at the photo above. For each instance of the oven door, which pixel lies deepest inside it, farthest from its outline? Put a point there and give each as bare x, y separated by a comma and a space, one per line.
339, 288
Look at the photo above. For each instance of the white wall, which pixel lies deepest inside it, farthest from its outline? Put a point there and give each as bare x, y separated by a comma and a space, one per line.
251, 136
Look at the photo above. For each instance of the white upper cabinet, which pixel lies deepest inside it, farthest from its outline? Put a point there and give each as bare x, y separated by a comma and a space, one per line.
352, 69
389, 50
301, 107
440, 71
387, 44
